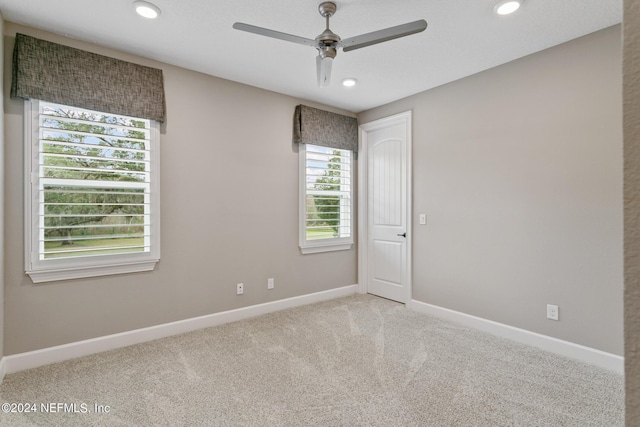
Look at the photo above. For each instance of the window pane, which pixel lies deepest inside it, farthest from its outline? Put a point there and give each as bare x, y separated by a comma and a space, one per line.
328, 193
94, 183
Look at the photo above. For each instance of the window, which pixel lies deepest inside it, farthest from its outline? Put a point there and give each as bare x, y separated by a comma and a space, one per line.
326, 220
92, 193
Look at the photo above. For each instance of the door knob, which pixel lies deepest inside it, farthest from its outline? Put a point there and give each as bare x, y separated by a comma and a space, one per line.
403, 234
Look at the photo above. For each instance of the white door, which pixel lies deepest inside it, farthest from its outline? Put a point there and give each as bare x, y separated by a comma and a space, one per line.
386, 143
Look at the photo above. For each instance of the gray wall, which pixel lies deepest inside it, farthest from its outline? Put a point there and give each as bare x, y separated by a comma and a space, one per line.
229, 214
631, 70
2, 246
519, 170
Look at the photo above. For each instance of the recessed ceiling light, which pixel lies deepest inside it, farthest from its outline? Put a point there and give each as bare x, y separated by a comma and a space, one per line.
146, 9
349, 82
507, 7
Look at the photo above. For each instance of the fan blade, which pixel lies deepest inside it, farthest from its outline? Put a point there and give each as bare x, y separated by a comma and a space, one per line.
380, 36
274, 34
324, 70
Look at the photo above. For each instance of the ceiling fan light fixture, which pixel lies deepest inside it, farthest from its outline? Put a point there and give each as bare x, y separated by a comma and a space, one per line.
328, 43
146, 9
349, 82
507, 7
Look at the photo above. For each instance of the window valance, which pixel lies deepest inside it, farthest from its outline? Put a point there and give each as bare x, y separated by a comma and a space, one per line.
319, 127
65, 75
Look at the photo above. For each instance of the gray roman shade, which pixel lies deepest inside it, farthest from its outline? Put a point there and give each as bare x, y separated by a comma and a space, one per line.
65, 75
319, 127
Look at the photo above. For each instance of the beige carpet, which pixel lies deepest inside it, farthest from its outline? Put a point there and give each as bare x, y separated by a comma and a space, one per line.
355, 361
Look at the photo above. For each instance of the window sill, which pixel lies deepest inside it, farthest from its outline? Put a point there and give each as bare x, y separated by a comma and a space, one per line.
52, 275
326, 247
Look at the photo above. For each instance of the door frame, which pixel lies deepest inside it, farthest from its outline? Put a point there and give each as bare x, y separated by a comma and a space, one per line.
363, 198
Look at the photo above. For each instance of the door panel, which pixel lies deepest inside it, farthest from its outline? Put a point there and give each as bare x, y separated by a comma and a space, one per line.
387, 257
387, 264
387, 178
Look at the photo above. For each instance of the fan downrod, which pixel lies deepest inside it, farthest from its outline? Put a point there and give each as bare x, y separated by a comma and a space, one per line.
328, 39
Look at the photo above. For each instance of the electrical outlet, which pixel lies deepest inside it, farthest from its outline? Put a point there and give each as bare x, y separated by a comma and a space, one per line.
552, 312
240, 288
270, 283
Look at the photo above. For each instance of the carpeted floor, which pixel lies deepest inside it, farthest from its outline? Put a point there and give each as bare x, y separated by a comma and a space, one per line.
355, 361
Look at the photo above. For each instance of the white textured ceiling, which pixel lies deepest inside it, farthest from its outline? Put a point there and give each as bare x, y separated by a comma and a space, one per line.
463, 38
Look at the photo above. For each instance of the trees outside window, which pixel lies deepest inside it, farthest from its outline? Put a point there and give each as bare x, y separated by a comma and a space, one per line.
83, 155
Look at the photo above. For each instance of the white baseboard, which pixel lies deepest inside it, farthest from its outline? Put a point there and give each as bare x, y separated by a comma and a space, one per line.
47, 356
2, 368
589, 355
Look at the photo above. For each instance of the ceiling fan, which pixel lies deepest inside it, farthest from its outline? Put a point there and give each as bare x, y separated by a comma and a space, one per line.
329, 42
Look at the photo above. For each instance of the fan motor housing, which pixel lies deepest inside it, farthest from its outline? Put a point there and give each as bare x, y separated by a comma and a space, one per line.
327, 38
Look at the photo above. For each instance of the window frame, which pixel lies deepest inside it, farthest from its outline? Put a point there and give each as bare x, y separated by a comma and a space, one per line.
322, 245
47, 270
